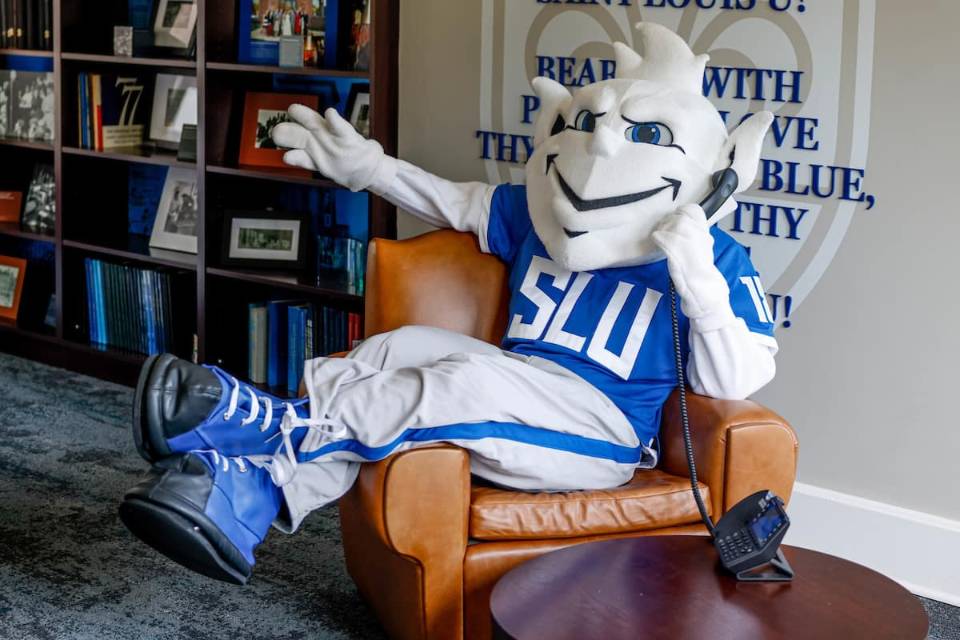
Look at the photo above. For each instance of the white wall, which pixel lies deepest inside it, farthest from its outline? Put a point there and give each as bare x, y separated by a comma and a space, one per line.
867, 371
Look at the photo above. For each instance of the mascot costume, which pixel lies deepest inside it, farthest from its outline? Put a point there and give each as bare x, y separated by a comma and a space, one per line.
570, 400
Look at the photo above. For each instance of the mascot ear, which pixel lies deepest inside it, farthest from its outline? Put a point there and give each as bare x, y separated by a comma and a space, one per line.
554, 101
742, 149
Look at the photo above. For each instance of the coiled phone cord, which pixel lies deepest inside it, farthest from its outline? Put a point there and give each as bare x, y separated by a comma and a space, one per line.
684, 419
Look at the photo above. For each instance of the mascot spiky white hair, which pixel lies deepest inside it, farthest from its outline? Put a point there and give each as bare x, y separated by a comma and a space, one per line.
572, 397
615, 158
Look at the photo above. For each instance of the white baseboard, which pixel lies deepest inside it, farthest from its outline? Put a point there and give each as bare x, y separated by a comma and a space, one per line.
918, 550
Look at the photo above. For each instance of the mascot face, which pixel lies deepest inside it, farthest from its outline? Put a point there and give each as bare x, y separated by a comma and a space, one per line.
611, 161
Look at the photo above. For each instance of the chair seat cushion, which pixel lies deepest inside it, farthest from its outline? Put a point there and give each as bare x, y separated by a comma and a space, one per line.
651, 500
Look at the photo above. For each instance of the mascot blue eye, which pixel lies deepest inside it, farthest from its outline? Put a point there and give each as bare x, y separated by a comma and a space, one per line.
650, 133
586, 121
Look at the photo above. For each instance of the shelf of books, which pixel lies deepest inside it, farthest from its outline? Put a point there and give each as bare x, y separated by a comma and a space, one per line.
143, 205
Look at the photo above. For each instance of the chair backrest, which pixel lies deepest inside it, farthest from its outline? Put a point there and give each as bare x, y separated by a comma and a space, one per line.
440, 279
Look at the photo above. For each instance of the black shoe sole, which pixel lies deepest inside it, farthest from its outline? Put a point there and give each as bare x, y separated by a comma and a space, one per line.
150, 449
185, 542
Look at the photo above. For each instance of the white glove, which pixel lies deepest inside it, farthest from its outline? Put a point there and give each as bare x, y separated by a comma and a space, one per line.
329, 144
685, 238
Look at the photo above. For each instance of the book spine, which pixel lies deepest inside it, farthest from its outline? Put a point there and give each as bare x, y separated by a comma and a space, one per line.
98, 294
256, 357
98, 111
81, 110
48, 25
91, 308
277, 327
147, 310
309, 350
30, 24
168, 310
91, 142
293, 315
3, 24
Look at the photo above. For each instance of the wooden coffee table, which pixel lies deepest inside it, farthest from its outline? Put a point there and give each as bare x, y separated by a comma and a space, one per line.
672, 587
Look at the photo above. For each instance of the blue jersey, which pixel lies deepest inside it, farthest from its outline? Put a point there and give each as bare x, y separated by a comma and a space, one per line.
611, 327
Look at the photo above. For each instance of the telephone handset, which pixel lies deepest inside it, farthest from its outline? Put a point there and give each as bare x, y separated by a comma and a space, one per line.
748, 536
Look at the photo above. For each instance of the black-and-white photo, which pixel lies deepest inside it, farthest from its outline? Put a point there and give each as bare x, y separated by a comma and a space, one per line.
358, 108
265, 239
175, 226
267, 119
4, 103
181, 217
32, 101
174, 105
8, 285
175, 24
40, 209
175, 96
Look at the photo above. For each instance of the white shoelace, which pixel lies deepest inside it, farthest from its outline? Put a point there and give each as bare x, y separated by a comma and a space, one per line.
225, 462
283, 468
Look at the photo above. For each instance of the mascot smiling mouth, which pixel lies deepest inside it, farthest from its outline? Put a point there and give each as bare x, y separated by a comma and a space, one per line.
583, 205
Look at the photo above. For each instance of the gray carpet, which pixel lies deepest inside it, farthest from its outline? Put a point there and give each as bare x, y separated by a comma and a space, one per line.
69, 569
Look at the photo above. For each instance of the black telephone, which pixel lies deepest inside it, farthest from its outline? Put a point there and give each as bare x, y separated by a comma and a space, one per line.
748, 536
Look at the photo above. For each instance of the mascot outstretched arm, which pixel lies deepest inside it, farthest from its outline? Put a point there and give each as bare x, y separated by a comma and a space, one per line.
572, 397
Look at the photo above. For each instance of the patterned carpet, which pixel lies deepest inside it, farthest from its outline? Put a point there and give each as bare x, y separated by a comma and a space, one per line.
69, 569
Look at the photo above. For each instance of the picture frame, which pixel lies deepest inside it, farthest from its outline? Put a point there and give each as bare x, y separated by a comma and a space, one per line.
264, 239
262, 112
175, 26
175, 226
174, 105
358, 108
12, 274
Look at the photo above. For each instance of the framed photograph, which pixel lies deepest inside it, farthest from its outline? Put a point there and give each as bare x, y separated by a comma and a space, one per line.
264, 22
31, 106
261, 113
174, 105
264, 239
12, 272
358, 108
6, 80
175, 25
40, 208
175, 226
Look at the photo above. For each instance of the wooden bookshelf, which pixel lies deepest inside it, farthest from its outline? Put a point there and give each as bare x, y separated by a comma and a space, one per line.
91, 188
27, 53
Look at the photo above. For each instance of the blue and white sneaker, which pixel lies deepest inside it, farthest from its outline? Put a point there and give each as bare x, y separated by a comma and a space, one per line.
204, 511
180, 407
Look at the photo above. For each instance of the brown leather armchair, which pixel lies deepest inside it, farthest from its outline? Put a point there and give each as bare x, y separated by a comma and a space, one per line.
426, 544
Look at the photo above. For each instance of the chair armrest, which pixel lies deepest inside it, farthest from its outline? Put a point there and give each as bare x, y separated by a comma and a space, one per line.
405, 523
418, 501
740, 447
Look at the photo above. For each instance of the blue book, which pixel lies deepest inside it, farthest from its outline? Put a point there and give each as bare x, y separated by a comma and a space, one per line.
101, 306
147, 303
294, 317
277, 343
84, 115
91, 309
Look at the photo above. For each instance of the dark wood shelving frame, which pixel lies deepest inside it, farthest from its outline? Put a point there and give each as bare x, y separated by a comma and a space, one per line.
215, 49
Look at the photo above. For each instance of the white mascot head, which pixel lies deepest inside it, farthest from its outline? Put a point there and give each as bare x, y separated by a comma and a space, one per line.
613, 159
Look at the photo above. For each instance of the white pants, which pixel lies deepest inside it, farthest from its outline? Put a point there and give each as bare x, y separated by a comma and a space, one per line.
528, 423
